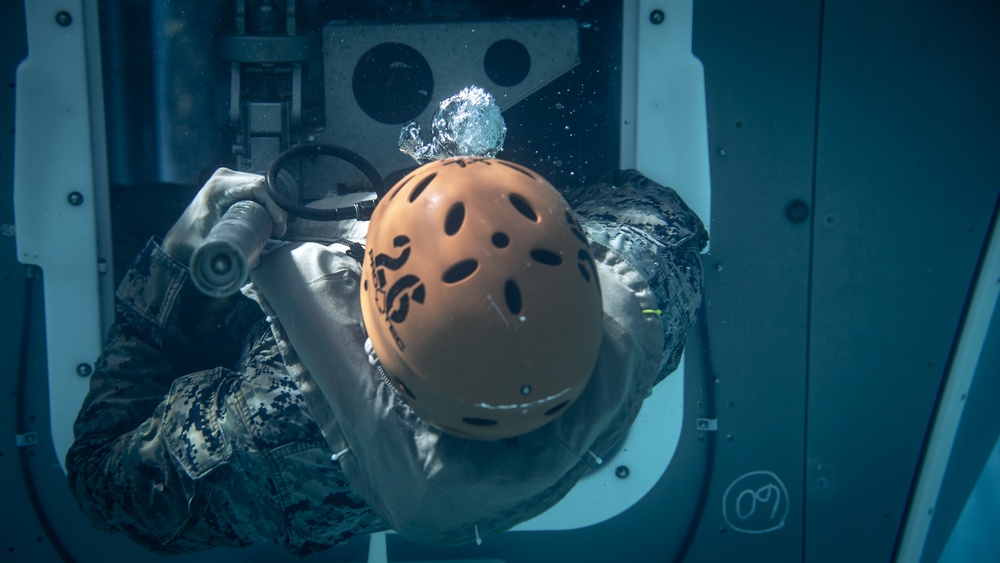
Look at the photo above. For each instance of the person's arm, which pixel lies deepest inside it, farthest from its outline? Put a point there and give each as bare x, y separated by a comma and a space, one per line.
126, 466
148, 433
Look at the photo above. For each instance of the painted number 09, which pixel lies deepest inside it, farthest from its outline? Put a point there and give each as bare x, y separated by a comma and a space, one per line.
756, 503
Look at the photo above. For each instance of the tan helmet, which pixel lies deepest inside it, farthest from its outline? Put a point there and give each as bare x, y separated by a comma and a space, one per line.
481, 297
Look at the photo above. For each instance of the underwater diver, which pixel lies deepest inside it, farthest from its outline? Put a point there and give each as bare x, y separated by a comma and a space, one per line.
447, 371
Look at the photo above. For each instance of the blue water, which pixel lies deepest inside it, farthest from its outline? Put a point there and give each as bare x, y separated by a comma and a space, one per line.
975, 535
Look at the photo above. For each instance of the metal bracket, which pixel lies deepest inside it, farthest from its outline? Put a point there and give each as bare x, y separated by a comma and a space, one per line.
708, 424
26, 439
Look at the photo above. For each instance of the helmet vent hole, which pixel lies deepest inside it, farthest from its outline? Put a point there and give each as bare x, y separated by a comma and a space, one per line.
399, 187
500, 240
523, 207
546, 257
460, 272
574, 228
453, 222
556, 408
512, 294
402, 387
419, 189
478, 421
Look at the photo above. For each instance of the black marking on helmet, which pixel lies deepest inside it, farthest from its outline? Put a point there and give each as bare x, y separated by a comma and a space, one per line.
523, 207
419, 189
586, 264
460, 271
394, 311
519, 168
395, 338
402, 309
392, 263
463, 161
546, 257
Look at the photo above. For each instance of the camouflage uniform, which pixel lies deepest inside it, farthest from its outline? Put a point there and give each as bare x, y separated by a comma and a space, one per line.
659, 235
181, 454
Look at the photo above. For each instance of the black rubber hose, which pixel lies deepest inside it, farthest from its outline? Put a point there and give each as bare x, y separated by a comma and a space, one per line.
706, 484
361, 211
21, 427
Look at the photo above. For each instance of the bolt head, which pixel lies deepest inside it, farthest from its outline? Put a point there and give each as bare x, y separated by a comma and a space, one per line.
797, 211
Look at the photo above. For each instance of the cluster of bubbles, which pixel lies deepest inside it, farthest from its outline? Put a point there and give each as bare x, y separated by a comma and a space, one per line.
466, 124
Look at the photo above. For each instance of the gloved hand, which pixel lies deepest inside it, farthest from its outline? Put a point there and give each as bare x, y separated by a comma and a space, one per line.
223, 189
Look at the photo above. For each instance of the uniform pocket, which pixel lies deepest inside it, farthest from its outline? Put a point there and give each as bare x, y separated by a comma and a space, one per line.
320, 507
192, 430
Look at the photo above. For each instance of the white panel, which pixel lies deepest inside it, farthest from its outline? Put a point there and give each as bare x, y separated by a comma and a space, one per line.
981, 308
58, 139
664, 127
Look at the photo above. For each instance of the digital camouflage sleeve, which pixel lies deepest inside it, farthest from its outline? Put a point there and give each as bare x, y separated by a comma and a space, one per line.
183, 455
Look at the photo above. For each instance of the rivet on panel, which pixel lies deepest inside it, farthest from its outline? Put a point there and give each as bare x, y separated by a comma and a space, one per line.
797, 211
